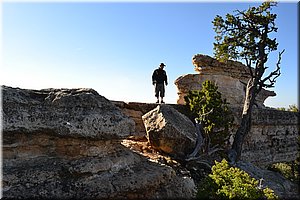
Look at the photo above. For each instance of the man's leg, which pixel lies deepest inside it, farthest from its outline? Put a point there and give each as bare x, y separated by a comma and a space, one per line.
157, 92
162, 93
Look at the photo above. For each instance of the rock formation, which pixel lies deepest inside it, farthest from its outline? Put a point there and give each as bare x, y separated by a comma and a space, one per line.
170, 131
231, 79
273, 136
66, 143
273, 139
66, 112
74, 143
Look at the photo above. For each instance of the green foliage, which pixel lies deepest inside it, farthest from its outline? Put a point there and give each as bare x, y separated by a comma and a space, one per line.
288, 169
227, 182
292, 108
281, 108
244, 34
219, 120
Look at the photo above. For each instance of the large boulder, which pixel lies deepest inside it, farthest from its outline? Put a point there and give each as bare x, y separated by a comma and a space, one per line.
66, 143
65, 112
170, 131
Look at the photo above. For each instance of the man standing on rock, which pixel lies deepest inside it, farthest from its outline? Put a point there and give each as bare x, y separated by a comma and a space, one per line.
159, 79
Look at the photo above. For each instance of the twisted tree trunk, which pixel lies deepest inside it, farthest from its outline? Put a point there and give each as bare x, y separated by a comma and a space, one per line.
200, 140
245, 126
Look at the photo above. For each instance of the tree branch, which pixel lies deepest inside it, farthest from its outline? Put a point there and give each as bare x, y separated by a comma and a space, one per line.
200, 138
273, 75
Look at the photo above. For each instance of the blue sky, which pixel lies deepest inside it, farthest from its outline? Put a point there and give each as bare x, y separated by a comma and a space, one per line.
113, 47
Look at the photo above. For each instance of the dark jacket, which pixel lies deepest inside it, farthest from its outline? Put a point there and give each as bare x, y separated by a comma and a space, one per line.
159, 76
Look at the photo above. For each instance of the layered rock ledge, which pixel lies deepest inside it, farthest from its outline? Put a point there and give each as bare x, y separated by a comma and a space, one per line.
75, 143
273, 136
66, 143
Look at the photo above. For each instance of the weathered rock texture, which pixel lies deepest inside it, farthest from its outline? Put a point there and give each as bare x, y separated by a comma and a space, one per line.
170, 131
66, 112
273, 139
67, 144
205, 64
136, 111
273, 136
231, 79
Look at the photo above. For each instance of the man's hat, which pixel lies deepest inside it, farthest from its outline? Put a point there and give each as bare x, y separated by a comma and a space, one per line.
162, 64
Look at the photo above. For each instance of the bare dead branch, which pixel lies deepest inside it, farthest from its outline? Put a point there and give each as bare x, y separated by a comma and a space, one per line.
273, 75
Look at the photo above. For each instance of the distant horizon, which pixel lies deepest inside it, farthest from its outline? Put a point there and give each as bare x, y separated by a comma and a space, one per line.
113, 47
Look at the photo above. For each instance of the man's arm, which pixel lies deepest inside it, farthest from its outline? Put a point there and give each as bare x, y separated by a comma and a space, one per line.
166, 78
154, 77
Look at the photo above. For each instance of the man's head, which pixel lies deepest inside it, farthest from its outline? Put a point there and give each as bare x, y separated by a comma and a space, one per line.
162, 65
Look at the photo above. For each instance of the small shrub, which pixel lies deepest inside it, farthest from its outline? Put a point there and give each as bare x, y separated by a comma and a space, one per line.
216, 124
227, 182
289, 169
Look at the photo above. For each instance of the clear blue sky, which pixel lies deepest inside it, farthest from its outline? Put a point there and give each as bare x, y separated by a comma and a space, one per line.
114, 47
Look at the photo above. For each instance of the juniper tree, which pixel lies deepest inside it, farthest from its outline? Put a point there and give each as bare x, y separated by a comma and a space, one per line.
245, 35
211, 110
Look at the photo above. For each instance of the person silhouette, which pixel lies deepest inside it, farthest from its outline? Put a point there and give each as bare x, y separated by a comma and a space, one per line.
159, 79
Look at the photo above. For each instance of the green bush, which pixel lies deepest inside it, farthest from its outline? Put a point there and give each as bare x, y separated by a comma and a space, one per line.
292, 108
227, 182
286, 169
216, 124
289, 170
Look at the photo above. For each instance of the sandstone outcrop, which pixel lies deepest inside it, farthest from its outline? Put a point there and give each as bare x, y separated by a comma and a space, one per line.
66, 112
70, 143
66, 143
206, 65
135, 111
231, 79
170, 131
273, 139
273, 136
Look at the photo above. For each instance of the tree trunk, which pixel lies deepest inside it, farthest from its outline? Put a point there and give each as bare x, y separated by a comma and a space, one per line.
200, 139
245, 126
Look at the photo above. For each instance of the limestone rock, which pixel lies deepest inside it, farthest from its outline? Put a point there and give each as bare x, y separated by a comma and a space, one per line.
43, 157
135, 111
231, 79
48, 166
273, 138
207, 65
137, 118
232, 89
65, 112
170, 131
